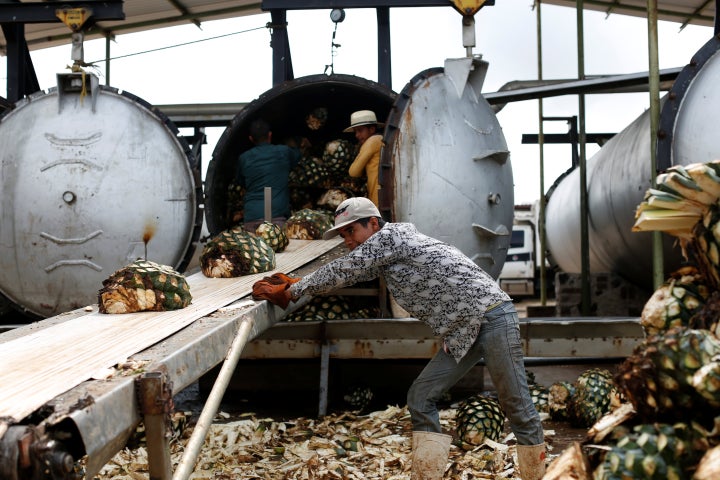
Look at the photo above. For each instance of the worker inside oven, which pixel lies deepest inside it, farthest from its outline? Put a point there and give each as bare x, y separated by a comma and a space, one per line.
266, 165
367, 162
463, 305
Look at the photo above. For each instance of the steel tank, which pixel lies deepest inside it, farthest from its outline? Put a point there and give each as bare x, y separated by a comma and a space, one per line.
5, 303
285, 107
92, 178
619, 175
445, 165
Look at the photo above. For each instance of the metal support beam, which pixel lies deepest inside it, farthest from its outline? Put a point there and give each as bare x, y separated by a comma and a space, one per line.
571, 137
202, 114
107, 60
604, 84
282, 61
407, 338
197, 439
155, 396
44, 12
196, 142
21, 79
384, 56
599, 138
329, 4
584, 212
324, 376
541, 143
653, 69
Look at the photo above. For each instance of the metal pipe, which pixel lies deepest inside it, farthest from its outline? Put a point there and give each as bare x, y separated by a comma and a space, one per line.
541, 144
519, 90
654, 84
384, 52
155, 394
324, 377
192, 450
541, 361
268, 203
584, 240
107, 60
468, 34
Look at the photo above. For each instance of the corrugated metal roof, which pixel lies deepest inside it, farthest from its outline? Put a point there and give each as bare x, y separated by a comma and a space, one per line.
140, 15
685, 12
143, 15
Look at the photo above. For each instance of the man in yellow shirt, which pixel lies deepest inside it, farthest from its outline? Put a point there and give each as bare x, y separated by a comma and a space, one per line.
367, 163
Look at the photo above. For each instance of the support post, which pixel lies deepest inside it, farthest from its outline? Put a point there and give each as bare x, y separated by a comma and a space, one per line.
282, 62
324, 371
268, 203
541, 144
155, 396
584, 213
384, 56
654, 90
194, 445
107, 60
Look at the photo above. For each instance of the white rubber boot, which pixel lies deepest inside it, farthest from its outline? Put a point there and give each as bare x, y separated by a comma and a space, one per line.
531, 459
429, 455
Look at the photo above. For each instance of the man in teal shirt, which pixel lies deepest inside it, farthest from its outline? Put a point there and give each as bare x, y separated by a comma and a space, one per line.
265, 165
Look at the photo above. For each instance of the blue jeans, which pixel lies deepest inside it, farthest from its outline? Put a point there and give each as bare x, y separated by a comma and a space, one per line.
499, 344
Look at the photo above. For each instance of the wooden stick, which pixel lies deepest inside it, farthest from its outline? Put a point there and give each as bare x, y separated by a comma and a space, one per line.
268, 204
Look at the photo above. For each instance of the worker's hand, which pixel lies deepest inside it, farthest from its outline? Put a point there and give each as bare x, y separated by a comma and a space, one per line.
275, 293
282, 278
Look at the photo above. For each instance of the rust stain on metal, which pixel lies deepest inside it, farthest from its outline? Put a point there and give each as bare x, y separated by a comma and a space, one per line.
363, 349
82, 403
149, 232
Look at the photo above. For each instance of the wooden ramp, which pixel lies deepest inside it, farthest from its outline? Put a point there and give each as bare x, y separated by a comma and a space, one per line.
42, 365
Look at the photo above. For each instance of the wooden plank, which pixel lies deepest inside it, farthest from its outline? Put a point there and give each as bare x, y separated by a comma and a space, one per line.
38, 367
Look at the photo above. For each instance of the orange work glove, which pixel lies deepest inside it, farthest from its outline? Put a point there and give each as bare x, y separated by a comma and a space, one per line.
274, 280
281, 279
284, 278
274, 293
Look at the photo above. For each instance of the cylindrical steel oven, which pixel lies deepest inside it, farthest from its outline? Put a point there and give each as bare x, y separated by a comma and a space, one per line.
445, 165
96, 177
619, 175
285, 107
92, 178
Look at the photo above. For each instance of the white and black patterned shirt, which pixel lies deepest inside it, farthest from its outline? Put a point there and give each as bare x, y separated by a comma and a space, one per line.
433, 281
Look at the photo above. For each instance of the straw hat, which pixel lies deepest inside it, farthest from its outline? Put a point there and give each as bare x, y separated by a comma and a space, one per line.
362, 117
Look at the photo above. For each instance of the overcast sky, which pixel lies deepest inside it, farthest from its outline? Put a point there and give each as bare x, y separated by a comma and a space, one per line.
238, 66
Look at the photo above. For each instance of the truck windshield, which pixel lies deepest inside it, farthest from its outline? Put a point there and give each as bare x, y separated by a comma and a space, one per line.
517, 239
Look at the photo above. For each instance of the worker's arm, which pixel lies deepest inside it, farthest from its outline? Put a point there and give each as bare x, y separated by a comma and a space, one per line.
367, 150
365, 262
295, 155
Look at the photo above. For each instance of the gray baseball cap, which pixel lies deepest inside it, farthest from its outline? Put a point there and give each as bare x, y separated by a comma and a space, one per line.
349, 211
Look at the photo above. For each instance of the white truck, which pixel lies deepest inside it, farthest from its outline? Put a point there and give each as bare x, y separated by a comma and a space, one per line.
520, 276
